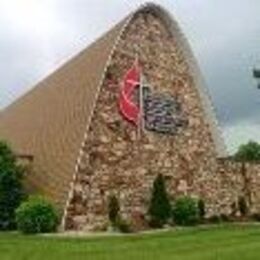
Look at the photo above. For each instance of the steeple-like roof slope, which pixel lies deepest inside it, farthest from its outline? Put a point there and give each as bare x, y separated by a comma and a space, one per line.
50, 121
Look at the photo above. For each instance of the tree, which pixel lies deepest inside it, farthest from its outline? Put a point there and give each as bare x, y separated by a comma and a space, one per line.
160, 208
11, 190
248, 152
113, 209
242, 206
201, 209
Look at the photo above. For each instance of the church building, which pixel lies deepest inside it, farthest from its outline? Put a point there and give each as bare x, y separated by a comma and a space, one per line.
130, 106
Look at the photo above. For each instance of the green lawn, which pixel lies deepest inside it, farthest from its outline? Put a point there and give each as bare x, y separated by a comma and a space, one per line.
225, 242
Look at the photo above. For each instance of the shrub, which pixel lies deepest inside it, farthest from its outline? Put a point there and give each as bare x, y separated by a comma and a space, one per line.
11, 190
201, 209
160, 208
115, 219
255, 217
233, 208
214, 219
185, 211
242, 206
123, 226
225, 218
36, 215
113, 209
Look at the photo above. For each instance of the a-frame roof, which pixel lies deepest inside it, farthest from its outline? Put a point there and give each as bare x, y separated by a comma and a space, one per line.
50, 121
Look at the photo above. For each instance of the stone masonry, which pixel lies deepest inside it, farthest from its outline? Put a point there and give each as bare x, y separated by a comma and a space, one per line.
117, 161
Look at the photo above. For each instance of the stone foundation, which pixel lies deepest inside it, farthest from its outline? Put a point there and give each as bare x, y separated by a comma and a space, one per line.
116, 161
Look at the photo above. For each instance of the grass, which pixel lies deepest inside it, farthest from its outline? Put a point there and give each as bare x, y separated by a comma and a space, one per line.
224, 242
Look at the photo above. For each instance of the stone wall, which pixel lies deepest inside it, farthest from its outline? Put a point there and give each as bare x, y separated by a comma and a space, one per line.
117, 161
239, 180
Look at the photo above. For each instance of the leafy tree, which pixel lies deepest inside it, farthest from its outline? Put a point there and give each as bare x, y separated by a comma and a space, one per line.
160, 208
11, 190
248, 152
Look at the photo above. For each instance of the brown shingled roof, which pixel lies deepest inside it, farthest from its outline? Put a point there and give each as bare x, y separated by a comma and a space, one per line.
50, 120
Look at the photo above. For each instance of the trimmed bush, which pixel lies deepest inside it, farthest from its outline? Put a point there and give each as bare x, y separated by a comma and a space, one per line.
225, 218
11, 190
160, 208
201, 209
118, 224
255, 217
218, 219
123, 226
36, 215
185, 211
233, 208
113, 210
214, 219
242, 206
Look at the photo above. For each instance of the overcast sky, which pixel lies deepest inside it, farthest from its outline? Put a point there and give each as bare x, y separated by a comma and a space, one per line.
38, 36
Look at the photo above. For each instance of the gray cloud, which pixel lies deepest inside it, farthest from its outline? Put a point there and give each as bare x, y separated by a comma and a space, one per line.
223, 35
